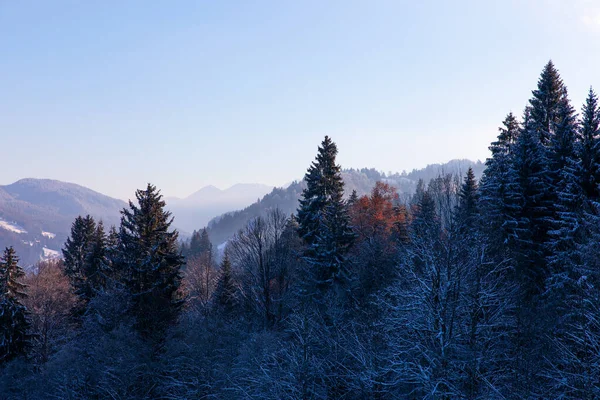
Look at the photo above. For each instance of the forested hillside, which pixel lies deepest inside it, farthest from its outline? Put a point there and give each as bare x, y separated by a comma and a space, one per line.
470, 289
362, 181
36, 215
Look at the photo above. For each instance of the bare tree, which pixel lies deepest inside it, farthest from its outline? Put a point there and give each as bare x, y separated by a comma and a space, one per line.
50, 301
261, 253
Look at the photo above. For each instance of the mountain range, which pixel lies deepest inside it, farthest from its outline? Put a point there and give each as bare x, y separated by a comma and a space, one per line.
194, 211
36, 214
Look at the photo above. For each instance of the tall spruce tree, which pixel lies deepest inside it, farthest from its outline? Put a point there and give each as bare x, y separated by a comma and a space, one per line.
152, 262
14, 317
76, 248
534, 212
545, 103
323, 220
499, 190
589, 147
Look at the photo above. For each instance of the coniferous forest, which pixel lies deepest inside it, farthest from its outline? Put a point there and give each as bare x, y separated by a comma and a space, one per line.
467, 290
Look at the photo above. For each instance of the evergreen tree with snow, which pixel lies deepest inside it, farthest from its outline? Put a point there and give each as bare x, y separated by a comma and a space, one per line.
225, 294
499, 189
589, 147
545, 104
75, 250
151, 262
534, 212
324, 221
468, 207
98, 268
563, 140
14, 317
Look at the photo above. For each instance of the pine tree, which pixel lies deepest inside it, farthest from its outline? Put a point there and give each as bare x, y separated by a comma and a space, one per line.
151, 261
534, 212
113, 252
468, 206
205, 246
98, 267
14, 317
589, 147
545, 103
225, 295
353, 198
323, 220
75, 250
426, 221
564, 138
499, 190
194, 246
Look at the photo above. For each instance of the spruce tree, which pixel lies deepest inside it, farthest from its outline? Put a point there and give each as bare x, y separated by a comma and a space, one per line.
499, 190
533, 212
205, 245
151, 262
76, 248
426, 221
353, 198
225, 294
589, 147
545, 103
468, 206
194, 246
564, 138
97, 269
323, 220
14, 317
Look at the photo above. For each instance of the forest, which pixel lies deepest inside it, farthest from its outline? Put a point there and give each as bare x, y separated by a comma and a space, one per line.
468, 289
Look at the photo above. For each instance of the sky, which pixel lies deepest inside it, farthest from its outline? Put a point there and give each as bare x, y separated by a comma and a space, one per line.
115, 94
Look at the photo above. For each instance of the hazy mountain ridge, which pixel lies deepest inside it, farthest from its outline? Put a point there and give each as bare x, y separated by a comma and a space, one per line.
362, 180
196, 210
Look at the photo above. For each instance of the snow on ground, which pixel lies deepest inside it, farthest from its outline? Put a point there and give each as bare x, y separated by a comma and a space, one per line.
11, 226
49, 235
49, 253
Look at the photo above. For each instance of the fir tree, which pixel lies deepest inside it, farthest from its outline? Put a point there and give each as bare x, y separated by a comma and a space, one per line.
563, 142
468, 206
151, 261
97, 269
225, 294
75, 250
499, 189
534, 212
14, 317
589, 147
426, 223
353, 198
323, 219
545, 103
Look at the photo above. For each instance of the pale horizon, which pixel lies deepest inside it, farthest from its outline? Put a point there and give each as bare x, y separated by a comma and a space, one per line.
112, 96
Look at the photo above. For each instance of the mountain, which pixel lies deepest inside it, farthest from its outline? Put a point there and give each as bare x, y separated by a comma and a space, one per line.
36, 215
194, 211
362, 180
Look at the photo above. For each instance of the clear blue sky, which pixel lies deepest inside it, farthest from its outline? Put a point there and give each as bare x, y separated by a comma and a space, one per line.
114, 94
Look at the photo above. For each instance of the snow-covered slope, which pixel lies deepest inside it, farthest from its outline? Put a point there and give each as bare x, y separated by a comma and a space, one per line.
36, 215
